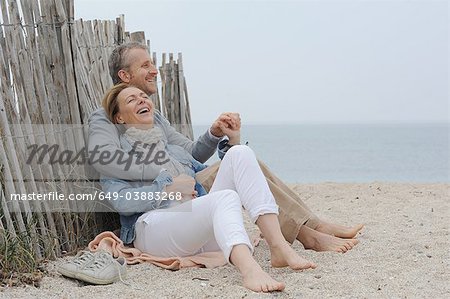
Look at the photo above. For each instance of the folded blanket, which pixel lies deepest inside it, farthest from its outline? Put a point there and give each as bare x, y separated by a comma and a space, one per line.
109, 242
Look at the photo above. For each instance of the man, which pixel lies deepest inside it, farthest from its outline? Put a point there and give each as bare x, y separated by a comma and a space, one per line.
131, 63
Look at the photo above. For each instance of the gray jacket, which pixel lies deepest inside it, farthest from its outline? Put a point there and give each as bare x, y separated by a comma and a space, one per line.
104, 139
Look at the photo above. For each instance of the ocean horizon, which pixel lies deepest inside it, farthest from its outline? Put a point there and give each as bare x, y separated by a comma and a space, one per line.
350, 153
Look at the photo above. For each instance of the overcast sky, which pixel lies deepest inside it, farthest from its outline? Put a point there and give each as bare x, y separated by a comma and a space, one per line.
301, 61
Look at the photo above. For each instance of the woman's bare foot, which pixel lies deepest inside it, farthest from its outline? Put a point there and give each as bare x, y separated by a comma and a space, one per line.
253, 277
319, 241
283, 255
339, 230
259, 281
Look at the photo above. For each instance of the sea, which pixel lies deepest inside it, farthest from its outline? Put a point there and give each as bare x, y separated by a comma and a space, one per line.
357, 153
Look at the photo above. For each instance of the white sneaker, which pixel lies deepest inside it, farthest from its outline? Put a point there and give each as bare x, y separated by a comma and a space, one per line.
72, 267
104, 269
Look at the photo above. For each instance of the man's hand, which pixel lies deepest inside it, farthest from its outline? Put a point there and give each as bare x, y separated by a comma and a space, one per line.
229, 124
183, 184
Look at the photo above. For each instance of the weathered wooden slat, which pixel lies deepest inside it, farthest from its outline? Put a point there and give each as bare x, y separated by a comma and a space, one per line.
74, 137
6, 154
185, 128
66, 51
138, 37
103, 75
34, 89
120, 22
155, 97
5, 83
82, 63
50, 62
6, 214
162, 73
175, 107
13, 42
30, 64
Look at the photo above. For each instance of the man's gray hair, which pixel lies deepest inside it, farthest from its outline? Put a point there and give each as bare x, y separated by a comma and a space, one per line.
118, 59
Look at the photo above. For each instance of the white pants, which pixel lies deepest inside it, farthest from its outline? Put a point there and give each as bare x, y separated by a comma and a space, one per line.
214, 221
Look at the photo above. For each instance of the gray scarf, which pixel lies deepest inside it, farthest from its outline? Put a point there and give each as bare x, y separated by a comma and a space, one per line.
150, 137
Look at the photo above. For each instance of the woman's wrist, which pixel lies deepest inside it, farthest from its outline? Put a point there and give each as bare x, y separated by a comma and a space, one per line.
234, 140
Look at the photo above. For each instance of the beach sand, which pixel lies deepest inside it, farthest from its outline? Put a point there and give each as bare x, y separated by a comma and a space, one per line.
403, 253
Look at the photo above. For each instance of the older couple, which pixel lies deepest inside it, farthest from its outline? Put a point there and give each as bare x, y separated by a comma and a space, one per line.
214, 220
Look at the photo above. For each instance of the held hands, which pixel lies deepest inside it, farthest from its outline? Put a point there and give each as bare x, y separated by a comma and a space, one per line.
228, 124
183, 184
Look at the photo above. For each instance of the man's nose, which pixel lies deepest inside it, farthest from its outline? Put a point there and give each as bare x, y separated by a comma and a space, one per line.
153, 70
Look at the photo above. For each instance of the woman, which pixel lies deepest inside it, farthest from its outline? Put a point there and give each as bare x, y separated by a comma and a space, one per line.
199, 222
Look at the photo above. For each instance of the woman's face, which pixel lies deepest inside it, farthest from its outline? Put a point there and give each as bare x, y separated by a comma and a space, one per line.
135, 108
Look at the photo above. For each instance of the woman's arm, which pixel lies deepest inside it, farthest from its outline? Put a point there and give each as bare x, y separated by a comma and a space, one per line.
127, 199
201, 149
183, 185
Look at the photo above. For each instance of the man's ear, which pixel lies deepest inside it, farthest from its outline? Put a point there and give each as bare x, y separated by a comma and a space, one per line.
124, 76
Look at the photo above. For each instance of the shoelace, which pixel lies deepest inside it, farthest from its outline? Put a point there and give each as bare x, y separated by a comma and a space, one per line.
120, 275
82, 258
117, 265
99, 261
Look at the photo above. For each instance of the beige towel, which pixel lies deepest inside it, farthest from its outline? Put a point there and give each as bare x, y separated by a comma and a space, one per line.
109, 242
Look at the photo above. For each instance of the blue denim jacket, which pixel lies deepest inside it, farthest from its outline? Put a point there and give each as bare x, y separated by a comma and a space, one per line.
126, 196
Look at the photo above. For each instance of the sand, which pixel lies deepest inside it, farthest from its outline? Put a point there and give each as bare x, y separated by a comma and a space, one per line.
403, 253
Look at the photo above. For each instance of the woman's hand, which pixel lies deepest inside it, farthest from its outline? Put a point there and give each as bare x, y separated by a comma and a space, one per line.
234, 135
228, 124
183, 184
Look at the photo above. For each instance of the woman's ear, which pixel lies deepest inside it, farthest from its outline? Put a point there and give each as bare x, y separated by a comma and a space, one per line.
124, 76
118, 119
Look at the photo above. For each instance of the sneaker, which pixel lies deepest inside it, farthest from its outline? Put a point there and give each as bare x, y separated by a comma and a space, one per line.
103, 270
72, 267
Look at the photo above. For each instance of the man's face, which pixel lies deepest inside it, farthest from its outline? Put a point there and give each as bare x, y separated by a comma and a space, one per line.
142, 72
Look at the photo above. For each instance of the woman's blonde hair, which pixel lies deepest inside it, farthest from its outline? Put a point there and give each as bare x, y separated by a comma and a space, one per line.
110, 102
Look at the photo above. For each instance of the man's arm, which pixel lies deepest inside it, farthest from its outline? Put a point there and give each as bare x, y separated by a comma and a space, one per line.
104, 139
202, 149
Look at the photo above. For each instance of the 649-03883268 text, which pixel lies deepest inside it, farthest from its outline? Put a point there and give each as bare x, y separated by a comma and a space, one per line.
102, 196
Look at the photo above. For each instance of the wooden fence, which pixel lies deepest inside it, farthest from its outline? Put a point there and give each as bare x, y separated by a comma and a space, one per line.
54, 72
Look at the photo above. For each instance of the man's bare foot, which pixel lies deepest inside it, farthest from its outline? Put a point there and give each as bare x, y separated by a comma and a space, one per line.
338, 230
318, 241
283, 255
259, 281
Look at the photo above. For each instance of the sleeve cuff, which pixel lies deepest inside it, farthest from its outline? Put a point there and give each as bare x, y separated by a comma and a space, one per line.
212, 137
223, 147
163, 179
